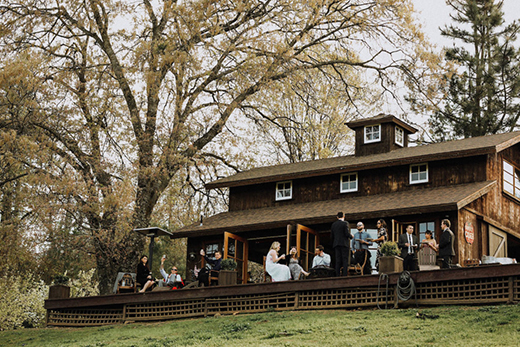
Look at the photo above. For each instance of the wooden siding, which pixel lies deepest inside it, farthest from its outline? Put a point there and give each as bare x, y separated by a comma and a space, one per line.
370, 182
386, 144
464, 250
498, 205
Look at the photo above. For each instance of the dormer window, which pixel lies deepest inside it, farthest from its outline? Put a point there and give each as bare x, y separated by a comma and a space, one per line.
418, 173
373, 133
349, 182
511, 179
399, 136
284, 190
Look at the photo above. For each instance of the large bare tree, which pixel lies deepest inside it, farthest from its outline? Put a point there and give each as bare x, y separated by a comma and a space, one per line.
133, 92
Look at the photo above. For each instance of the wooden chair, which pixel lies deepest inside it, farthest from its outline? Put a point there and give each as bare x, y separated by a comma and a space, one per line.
127, 283
427, 259
213, 277
267, 277
357, 269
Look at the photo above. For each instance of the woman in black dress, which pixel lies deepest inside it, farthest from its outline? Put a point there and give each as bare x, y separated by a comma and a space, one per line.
144, 276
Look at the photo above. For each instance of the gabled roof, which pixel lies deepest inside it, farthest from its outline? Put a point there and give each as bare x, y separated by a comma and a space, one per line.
381, 118
439, 151
414, 201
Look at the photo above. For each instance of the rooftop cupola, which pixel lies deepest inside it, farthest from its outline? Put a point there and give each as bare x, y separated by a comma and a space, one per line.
380, 134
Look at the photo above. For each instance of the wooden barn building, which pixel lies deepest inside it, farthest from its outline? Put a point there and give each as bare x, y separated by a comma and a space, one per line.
475, 183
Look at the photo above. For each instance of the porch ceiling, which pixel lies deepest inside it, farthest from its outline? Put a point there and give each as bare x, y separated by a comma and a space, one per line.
413, 201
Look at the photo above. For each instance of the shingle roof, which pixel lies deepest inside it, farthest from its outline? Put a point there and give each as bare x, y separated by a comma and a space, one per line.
438, 151
381, 118
383, 205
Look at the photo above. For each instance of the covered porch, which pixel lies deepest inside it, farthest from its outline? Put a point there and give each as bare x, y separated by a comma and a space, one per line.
246, 235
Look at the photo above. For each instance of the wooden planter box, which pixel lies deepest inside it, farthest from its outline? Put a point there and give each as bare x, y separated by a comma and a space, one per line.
59, 291
390, 264
227, 277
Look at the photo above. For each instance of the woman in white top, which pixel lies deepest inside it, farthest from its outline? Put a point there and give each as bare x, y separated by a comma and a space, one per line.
278, 272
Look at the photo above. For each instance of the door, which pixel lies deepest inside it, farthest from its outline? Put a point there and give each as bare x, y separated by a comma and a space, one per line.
397, 229
497, 242
236, 248
305, 240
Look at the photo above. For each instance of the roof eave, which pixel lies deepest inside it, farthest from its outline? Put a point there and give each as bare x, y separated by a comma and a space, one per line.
355, 167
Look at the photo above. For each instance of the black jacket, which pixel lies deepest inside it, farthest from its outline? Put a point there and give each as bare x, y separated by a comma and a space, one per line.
403, 239
340, 233
446, 242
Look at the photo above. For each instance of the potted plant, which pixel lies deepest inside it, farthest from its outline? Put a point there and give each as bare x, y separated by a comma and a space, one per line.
390, 260
228, 274
59, 288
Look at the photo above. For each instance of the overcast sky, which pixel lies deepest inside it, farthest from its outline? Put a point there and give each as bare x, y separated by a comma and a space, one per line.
435, 13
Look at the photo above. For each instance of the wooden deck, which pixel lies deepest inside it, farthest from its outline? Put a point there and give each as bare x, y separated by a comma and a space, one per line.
474, 285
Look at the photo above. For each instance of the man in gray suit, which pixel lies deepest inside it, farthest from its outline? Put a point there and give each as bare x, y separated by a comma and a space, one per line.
446, 242
408, 244
341, 236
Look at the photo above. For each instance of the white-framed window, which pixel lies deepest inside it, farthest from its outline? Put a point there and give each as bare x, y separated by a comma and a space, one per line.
373, 133
399, 136
349, 182
511, 179
418, 173
284, 190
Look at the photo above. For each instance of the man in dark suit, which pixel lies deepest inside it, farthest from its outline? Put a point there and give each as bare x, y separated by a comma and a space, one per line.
446, 242
341, 236
408, 244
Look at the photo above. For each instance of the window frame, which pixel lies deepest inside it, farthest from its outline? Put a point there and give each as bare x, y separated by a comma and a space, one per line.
281, 198
399, 130
365, 140
515, 180
426, 180
341, 190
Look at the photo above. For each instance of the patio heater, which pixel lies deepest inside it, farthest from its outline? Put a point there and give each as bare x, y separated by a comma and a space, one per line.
152, 233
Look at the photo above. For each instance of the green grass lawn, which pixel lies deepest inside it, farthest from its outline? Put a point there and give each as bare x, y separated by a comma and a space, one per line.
439, 326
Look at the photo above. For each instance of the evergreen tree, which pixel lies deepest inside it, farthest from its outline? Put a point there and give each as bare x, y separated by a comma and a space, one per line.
483, 97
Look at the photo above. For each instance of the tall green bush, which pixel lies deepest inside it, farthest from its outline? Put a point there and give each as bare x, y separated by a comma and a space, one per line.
21, 302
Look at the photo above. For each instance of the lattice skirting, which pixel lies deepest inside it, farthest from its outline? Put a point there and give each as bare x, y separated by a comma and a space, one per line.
516, 289
252, 303
463, 291
343, 298
84, 317
165, 310
474, 291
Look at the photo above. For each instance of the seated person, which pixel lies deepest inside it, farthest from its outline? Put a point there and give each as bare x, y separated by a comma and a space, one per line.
215, 263
173, 280
144, 275
294, 265
321, 258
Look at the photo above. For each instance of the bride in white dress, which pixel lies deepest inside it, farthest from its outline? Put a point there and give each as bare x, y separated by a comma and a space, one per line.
278, 272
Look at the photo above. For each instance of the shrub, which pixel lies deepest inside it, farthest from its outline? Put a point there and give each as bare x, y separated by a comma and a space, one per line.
389, 249
84, 285
21, 302
228, 264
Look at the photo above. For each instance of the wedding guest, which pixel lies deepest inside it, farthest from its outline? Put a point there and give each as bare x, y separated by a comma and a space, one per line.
278, 272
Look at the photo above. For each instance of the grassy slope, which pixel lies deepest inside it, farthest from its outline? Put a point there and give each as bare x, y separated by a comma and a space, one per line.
455, 326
